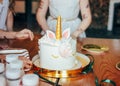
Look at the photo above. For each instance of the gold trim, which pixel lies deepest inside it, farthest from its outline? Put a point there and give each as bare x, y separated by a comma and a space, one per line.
63, 73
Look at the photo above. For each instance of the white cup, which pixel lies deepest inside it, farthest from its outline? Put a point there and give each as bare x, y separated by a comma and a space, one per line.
16, 64
30, 80
2, 81
13, 76
10, 58
13, 73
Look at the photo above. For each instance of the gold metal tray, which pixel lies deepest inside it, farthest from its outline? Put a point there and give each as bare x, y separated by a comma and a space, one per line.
85, 61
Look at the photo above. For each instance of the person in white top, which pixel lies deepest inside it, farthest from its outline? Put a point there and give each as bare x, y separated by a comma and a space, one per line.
6, 15
6, 23
69, 11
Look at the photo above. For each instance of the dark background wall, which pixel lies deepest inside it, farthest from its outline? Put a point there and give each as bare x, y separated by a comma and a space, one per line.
99, 9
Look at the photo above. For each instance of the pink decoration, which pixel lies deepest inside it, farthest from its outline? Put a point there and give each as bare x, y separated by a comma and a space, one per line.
66, 33
50, 34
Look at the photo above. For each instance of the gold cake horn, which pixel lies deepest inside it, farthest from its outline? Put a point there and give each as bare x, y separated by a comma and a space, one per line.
58, 28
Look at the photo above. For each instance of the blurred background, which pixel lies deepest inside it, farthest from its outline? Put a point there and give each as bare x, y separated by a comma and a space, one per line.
105, 17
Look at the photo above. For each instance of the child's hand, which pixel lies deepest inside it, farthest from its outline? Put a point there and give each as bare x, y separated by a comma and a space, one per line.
2, 58
75, 34
27, 62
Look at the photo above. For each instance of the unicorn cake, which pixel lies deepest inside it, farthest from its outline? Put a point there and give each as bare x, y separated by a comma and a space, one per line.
57, 51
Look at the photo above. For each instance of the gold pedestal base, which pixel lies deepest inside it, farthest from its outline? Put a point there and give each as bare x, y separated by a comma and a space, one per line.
60, 74
85, 61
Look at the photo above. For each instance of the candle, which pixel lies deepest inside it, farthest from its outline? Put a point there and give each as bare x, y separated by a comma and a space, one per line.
58, 28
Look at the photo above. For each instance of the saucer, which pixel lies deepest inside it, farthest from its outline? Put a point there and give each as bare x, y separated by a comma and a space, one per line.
93, 48
82, 62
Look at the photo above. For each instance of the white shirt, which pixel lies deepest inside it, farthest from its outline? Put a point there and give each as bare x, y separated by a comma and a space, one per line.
68, 10
3, 14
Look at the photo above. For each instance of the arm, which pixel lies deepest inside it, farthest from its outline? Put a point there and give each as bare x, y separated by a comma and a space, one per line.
9, 21
9, 35
86, 17
23, 34
10, 16
41, 14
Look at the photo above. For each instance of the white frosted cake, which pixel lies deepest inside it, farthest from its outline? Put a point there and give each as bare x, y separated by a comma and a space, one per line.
57, 50
57, 54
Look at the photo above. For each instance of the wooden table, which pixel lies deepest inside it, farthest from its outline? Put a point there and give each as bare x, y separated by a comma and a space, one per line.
104, 65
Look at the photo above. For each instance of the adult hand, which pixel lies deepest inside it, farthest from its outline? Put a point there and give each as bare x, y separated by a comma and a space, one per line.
24, 34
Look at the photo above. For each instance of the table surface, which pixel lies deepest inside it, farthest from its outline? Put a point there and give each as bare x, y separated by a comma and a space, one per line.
104, 63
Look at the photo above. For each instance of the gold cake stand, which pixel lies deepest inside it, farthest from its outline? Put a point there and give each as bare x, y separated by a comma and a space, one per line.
85, 61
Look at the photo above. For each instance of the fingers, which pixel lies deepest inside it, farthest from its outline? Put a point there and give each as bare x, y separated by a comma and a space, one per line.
25, 34
29, 33
75, 34
31, 36
2, 58
27, 62
21, 36
27, 65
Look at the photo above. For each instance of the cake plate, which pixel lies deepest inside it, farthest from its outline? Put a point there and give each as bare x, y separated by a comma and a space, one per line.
73, 72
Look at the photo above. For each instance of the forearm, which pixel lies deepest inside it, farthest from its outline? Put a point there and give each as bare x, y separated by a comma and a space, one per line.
86, 15
84, 25
42, 21
41, 14
86, 18
8, 35
9, 22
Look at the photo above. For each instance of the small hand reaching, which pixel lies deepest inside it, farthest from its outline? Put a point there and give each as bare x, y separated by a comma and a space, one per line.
26, 61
